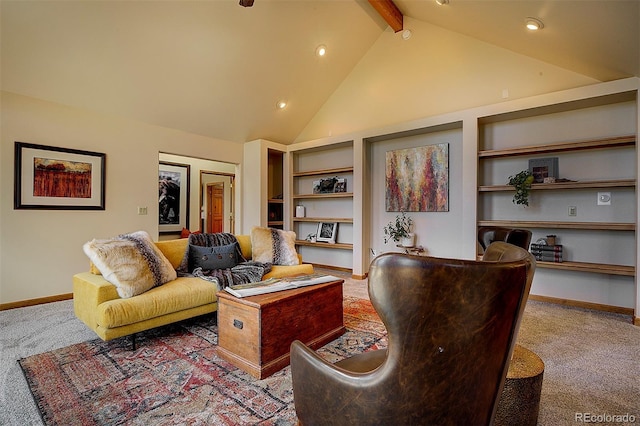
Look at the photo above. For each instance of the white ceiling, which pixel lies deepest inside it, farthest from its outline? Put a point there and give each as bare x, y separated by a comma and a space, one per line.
217, 69
597, 38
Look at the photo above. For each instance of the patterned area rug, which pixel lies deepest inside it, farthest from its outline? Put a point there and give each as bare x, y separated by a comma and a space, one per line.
176, 377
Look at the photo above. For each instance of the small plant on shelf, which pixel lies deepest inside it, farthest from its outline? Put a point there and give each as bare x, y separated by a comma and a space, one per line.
522, 183
398, 229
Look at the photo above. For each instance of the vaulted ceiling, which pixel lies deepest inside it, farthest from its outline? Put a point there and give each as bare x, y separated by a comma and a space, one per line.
218, 69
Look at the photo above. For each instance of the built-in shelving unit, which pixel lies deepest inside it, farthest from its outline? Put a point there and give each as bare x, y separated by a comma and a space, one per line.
332, 207
601, 163
275, 201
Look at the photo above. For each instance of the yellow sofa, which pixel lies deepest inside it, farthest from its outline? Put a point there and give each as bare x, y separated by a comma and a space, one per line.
97, 303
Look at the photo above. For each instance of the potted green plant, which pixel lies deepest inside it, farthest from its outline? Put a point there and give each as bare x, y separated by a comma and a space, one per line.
399, 230
522, 183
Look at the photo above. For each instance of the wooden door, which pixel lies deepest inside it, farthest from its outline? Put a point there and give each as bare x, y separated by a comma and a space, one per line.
215, 210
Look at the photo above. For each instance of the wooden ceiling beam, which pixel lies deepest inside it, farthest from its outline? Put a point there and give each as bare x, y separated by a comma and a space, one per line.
390, 12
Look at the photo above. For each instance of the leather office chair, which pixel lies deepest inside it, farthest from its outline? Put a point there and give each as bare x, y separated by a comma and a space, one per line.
518, 237
451, 329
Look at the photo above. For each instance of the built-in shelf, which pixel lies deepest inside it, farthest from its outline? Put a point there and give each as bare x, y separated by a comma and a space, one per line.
595, 184
327, 195
324, 172
341, 246
560, 147
275, 188
606, 143
594, 226
600, 268
326, 207
324, 219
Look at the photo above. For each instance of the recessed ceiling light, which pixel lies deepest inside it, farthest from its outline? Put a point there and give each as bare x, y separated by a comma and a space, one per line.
321, 50
442, 2
534, 24
281, 104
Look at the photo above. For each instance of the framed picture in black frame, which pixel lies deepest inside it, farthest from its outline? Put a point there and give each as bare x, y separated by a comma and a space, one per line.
327, 232
542, 168
173, 196
55, 178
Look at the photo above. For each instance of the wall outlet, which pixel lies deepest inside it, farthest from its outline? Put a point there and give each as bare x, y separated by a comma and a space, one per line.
142, 210
604, 198
573, 211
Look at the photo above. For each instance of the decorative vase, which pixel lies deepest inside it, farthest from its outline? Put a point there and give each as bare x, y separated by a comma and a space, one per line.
409, 241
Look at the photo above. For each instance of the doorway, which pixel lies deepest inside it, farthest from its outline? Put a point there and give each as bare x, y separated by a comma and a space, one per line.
215, 208
217, 201
201, 173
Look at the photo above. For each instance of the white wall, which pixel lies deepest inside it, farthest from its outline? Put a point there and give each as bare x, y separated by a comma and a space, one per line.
255, 187
438, 232
42, 249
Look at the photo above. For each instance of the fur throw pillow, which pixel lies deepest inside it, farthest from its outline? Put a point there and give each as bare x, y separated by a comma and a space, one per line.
274, 246
131, 262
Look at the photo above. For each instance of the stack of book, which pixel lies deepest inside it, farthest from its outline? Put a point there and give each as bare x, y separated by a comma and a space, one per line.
547, 253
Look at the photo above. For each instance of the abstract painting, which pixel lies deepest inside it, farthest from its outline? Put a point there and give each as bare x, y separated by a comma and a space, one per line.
417, 179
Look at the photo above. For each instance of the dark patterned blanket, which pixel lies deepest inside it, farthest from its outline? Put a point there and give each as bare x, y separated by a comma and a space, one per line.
243, 273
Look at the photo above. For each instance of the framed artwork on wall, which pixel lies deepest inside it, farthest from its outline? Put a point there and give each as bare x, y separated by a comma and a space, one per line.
327, 232
542, 168
54, 178
417, 179
173, 196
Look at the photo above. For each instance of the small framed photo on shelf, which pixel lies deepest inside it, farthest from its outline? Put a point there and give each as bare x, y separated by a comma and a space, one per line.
327, 232
542, 168
324, 186
341, 185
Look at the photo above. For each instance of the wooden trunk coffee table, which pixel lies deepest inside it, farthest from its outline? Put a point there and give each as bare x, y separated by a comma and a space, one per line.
255, 332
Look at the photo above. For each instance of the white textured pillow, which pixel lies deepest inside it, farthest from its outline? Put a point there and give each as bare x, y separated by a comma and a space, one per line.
274, 246
131, 262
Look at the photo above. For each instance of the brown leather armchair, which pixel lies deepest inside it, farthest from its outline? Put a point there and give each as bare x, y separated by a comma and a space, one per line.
451, 329
518, 237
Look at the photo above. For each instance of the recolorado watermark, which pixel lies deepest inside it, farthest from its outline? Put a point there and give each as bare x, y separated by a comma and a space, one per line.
605, 418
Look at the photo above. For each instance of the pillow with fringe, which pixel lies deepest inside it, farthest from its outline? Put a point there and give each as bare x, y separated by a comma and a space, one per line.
274, 246
131, 262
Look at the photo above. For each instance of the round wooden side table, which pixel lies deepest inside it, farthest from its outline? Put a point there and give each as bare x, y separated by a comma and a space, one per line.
519, 403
